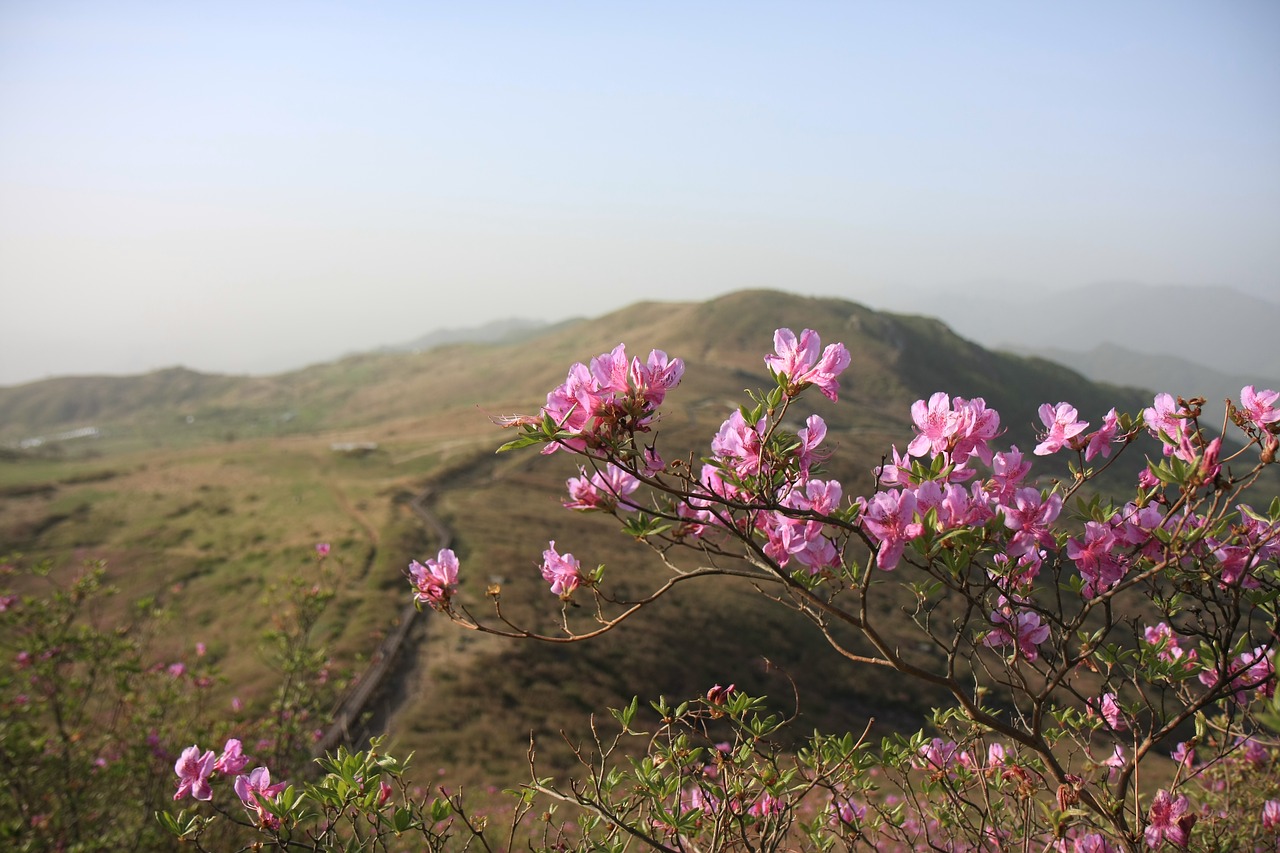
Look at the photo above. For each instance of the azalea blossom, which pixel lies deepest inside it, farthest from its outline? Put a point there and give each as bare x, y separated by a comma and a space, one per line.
1093, 842
1029, 516
435, 583
810, 436
739, 446
604, 489
889, 519
1168, 820
1062, 424
612, 390
1166, 421
256, 788
847, 811
956, 428
1099, 441
798, 360
1252, 670
232, 760
895, 473
1007, 472
1109, 709
1166, 642
1096, 559
1016, 627
1259, 407
562, 571
941, 755
1271, 815
193, 769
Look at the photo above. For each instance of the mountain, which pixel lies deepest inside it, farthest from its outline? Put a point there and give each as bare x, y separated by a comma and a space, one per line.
499, 331
1216, 327
1156, 373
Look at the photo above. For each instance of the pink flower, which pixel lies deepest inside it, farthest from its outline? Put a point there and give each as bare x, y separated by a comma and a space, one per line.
256, 788
941, 755
1259, 407
794, 537
193, 769
1062, 424
1166, 642
767, 805
592, 401
1094, 843
1010, 574
895, 473
177, 670
799, 361
436, 582
1099, 441
563, 572
718, 695
1020, 628
1109, 709
1029, 516
653, 462
958, 432
232, 760
1096, 559
738, 445
603, 490
1271, 815
1007, 472
658, 375
888, 518
322, 549
847, 811
810, 436
1116, 762
1167, 422
1168, 820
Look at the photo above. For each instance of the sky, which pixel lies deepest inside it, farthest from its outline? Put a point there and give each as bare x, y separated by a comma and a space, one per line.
252, 187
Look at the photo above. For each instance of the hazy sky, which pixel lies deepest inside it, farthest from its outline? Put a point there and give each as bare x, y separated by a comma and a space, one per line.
249, 187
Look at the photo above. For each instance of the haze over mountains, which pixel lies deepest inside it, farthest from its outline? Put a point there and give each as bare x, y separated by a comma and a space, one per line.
1189, 341
1192, 341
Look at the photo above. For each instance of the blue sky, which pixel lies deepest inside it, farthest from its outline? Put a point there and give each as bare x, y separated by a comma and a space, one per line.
249, 187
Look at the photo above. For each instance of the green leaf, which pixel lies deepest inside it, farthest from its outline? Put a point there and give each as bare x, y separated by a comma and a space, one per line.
522, 441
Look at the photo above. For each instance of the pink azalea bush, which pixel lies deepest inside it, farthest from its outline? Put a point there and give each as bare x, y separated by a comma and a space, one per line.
1086, 645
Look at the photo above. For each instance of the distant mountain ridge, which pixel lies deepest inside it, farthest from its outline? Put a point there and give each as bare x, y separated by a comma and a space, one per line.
896, 360
1158, 373
499, 331
1221, 328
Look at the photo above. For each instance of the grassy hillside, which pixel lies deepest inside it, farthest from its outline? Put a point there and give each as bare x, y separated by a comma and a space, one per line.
211, 491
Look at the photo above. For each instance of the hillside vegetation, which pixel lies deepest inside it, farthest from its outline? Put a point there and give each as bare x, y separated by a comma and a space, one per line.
210, 491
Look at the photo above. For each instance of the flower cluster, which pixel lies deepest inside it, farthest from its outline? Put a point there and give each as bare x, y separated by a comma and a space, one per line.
255, 790
599, 403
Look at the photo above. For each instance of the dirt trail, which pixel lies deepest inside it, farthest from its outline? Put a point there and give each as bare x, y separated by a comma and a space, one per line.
396, 667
